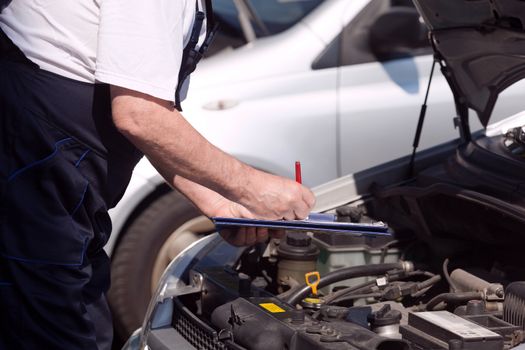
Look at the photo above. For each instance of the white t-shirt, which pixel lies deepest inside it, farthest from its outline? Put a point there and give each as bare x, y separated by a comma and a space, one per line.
136, 44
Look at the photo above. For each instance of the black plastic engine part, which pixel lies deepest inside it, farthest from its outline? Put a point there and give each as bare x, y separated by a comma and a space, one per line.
444, 330
476, 312
222, 285
384, 317
298, 246
188, 329
481, 180
512, 335
350, 214
359, 315
267, 323
454, 298
385, 321
475, 307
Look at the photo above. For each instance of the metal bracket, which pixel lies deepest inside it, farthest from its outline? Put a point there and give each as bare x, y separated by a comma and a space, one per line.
175, 289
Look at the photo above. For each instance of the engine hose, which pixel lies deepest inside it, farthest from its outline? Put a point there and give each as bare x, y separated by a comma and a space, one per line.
348, 273
429, 282
453, 298
335, 296
341, 293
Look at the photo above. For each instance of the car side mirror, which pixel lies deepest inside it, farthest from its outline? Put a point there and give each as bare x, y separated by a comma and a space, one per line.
396, 33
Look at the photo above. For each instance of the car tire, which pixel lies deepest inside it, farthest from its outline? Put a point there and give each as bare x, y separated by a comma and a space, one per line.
142, 249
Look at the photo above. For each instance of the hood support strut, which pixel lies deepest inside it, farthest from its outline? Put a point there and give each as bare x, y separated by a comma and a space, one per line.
461, 120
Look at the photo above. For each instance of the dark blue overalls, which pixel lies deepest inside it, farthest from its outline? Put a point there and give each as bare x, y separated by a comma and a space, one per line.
62, 165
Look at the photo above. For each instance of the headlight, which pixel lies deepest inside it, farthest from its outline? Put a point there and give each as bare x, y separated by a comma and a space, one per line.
160, 309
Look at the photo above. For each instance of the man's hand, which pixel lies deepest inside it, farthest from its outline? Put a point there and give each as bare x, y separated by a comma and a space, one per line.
213, 204
243, 236
274, 197
247, 236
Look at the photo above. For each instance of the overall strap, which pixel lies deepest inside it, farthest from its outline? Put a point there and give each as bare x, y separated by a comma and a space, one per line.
191, 55
3, 4
211, 27
210, 17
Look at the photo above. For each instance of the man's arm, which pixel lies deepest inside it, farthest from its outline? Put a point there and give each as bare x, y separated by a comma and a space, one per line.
174, 147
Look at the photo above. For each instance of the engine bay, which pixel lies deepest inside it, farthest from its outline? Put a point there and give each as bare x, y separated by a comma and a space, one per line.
450, 277
259, 303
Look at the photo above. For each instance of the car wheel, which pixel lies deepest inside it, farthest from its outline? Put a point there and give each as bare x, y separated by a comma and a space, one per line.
148, 245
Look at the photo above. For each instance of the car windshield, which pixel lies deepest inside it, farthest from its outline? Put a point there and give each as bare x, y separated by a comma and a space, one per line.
271, 16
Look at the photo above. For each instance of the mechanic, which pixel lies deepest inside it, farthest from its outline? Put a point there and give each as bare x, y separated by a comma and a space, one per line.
87, 88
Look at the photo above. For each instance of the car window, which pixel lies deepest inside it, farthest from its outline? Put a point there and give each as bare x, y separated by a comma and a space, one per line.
382, 31
269, 16
279, 15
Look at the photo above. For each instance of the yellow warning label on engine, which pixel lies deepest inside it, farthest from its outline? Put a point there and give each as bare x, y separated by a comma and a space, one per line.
273, 308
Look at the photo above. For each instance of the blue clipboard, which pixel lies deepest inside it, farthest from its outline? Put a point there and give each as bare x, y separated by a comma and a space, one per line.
315, 222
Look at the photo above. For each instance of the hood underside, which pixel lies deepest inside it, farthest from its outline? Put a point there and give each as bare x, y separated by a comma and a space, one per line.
481, 44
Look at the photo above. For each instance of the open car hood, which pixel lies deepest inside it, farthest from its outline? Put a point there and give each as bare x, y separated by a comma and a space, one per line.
481, 46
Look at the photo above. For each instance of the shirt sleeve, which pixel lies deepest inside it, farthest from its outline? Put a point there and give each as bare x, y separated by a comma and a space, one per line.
140, 44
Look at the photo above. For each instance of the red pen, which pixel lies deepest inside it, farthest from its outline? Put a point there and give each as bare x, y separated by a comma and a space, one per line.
298, 177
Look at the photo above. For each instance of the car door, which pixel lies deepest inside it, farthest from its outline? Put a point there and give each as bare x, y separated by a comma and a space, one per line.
277, 111
380, 92
265, 104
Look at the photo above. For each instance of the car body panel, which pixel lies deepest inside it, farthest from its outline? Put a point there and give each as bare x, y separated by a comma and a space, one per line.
144, 181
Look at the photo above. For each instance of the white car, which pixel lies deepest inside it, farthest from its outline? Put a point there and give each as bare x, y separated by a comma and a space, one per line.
341, 90
450, 276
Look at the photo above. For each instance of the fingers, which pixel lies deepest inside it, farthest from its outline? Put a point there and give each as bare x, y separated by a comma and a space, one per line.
303, 205
308, 197
250, 236
293, 201
263, 196
309, 201
277, 233
274, 197
246, 236
262, 235
289, 215
236, 237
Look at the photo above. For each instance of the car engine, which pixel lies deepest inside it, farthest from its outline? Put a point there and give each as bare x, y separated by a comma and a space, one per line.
380, 305
450, 277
